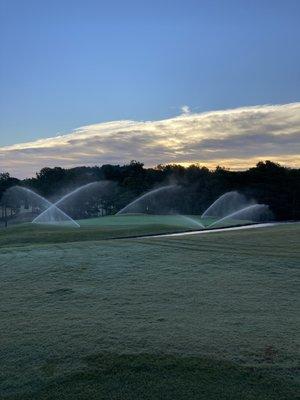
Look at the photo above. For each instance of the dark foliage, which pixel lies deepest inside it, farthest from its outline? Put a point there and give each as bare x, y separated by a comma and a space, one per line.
268, 183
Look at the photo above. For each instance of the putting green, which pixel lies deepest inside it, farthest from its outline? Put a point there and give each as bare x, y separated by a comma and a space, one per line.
184, 221
145, 219
108, 227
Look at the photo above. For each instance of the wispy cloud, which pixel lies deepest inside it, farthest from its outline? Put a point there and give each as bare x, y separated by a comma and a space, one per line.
235, 138
185, 110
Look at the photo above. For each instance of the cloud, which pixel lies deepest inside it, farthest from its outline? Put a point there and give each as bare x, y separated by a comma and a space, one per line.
185, 110
235, 138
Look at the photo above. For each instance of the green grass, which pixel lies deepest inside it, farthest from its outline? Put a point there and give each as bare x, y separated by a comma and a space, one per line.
217, 315
93, 229
100, 228
108, 376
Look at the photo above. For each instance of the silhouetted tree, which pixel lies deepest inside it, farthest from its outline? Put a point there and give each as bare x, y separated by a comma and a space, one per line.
267, 182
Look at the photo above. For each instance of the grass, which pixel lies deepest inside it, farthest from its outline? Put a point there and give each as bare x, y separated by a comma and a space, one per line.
100, 228
91, 229
108, 376
209, 316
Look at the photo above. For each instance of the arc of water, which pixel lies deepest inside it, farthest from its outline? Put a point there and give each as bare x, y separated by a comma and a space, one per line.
65, 197
31, 192
219, 201
48, 204
194, 221
58, 210
244, 210
154, 191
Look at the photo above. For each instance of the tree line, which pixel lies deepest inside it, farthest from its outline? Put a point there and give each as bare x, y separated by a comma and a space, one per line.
268, 182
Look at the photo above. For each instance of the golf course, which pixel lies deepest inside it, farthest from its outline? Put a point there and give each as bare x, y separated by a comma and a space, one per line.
149, 200
103, 312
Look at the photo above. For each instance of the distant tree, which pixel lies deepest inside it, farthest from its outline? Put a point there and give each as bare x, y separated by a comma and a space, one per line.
6, 182
267, 182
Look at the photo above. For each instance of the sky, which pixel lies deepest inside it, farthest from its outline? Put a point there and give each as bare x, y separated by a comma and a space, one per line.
72, 66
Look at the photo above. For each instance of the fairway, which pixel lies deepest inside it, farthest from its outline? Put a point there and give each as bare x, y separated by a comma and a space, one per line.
224, 297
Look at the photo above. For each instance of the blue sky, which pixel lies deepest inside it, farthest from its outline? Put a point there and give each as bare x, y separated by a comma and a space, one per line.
66, 64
